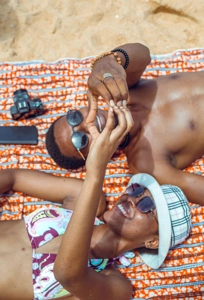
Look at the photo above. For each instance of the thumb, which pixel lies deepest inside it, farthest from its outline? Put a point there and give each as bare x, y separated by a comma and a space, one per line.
93, 130
93, 107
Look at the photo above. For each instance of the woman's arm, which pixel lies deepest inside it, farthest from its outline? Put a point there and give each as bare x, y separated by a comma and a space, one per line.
40, 184
71, 268
46, 186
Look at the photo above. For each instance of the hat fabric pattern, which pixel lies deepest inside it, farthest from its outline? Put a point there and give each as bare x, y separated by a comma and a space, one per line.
173, 214
179, 211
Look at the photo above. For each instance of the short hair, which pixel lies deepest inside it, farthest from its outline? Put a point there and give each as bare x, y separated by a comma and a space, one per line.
66, 162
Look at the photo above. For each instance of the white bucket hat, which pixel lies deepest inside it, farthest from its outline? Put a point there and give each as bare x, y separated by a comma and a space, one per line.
173, 214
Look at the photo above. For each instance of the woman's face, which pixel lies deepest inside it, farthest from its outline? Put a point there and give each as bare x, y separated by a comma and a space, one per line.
127, 222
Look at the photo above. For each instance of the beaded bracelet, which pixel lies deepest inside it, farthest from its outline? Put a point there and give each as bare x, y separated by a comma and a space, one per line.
94, 60
125, 54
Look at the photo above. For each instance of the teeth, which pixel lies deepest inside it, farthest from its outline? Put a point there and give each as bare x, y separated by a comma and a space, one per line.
99, 123
123, 211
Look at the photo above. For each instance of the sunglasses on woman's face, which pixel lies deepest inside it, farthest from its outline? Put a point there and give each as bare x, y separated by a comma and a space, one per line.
79, 138
145, 204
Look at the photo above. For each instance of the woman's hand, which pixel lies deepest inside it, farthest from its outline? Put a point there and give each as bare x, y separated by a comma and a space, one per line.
105, 144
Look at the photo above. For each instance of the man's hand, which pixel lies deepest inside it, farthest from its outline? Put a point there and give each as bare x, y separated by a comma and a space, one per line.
113, 90
110, 88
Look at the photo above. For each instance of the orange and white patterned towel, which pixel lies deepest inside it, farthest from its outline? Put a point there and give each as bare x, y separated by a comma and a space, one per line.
62, 85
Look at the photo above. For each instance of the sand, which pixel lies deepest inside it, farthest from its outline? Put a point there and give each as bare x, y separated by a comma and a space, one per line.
53, 29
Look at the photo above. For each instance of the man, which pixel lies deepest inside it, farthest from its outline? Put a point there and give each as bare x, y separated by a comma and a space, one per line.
168, 134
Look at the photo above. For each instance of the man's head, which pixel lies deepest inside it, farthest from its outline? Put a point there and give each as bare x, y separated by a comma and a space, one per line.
155, 218
63, 138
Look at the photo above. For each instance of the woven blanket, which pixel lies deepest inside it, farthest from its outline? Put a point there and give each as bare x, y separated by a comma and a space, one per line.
62, 85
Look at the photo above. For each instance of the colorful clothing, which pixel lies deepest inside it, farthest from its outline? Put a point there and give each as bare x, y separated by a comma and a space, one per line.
43, 225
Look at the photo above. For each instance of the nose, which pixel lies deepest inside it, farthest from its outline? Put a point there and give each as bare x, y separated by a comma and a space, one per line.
81, 127
133, 201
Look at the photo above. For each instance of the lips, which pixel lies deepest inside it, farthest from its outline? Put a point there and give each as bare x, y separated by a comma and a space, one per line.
100, 121
98, 124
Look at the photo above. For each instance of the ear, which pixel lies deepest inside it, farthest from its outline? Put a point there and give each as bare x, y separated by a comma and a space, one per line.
152, 244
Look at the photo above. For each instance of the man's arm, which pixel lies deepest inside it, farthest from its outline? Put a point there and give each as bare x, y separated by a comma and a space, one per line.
139, 56
116, 88
191, 184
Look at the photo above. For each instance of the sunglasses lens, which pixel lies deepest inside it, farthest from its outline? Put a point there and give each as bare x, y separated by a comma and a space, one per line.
145, 205
134, 190
74, 117
79, 139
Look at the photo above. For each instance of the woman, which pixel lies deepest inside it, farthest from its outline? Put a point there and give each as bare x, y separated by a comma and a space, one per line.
16, 251
46, 259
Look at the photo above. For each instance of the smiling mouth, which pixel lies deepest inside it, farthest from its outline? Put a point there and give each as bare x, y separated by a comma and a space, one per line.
123, 211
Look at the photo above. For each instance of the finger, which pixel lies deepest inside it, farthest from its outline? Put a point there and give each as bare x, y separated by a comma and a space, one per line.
125, 123
93, 130
112, 86
99, 88
121, 129
93, 107
118, 88
122, 123
128, 117
123, 88
110, 89
110, 123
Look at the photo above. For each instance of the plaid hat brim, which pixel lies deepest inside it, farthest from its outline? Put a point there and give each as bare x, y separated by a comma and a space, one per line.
155, 257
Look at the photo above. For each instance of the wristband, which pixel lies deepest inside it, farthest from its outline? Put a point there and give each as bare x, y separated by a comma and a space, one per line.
127, 60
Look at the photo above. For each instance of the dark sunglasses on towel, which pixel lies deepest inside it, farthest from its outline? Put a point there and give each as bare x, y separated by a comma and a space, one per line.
79, 138
145, 204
